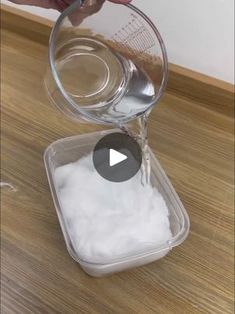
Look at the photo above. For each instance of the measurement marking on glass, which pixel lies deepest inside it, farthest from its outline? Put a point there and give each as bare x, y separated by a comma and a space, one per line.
134, 36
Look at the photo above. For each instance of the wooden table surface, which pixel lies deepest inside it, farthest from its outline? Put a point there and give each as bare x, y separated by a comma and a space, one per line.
192, 136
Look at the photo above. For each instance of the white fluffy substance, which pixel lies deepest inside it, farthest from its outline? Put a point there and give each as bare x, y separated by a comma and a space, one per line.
107, 220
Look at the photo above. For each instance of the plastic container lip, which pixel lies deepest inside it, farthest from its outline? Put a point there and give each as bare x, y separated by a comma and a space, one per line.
55, 75
182, 215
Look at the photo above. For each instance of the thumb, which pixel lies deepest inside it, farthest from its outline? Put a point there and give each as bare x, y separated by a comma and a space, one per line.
121, 1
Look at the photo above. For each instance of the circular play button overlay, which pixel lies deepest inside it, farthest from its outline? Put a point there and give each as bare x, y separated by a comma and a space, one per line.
117, 157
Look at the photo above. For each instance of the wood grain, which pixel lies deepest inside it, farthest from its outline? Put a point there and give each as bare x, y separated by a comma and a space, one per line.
193, 139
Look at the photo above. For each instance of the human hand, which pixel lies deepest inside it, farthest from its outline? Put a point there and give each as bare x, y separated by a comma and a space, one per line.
87, 8
61, 5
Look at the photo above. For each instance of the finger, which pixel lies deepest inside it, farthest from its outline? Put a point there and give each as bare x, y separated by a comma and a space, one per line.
84, 11
121, 1
61, 5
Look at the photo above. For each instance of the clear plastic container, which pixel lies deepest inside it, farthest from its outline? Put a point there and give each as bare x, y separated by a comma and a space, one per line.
71, 149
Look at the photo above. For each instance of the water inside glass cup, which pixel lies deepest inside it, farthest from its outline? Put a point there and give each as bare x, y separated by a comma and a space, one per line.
106, 69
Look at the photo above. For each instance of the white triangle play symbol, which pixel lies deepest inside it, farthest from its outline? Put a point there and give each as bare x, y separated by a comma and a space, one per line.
115, 157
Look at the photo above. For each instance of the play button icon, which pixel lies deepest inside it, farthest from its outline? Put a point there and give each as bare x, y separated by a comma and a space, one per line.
117, 157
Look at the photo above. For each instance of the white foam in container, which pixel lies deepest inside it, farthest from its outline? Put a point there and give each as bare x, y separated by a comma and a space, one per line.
71, 149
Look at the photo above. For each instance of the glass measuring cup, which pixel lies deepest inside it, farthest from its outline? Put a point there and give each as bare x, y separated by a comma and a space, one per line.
109, 67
